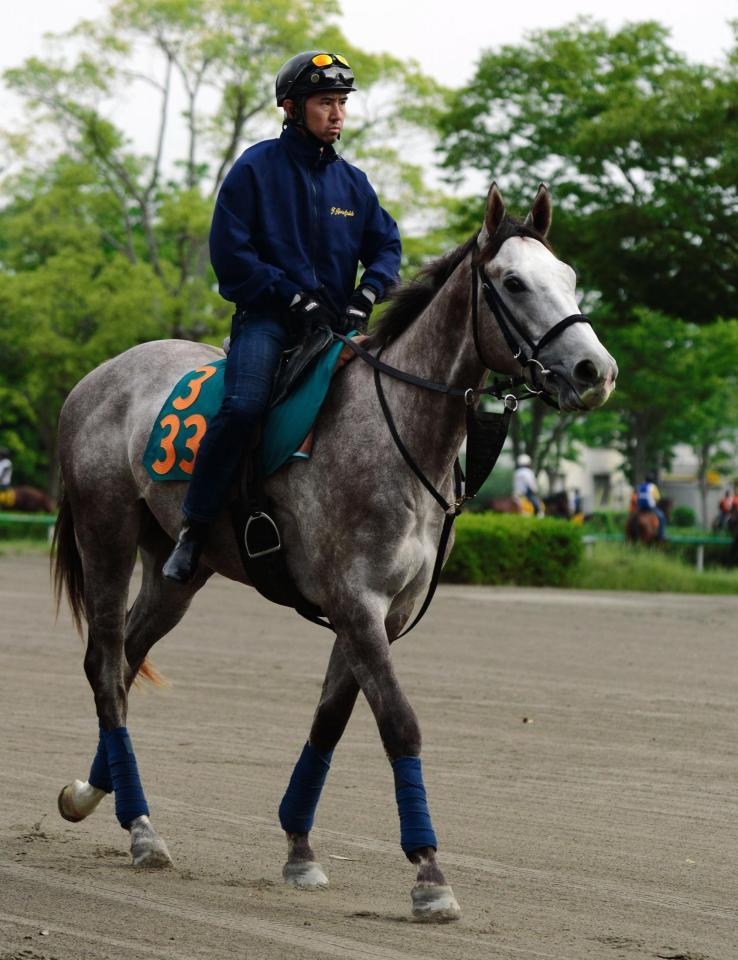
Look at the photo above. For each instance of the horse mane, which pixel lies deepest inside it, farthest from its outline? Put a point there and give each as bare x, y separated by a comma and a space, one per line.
408, 300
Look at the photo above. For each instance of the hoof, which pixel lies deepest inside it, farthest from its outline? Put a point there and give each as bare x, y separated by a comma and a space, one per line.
77, 800
305, 874
147, 848
433, 903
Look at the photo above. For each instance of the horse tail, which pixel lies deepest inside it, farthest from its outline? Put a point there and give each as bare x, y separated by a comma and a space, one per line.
148, 671
67, 571
68, 574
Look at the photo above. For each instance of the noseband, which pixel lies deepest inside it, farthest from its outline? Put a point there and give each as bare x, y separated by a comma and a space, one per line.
515, 340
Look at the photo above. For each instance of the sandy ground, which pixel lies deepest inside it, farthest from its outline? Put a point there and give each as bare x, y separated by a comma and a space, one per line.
603, 827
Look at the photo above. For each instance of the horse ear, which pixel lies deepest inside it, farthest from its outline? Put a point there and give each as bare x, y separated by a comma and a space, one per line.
541, 212
494, 214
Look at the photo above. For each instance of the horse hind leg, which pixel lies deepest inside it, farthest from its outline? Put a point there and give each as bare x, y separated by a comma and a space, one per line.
107, 553
158, 608
297, 810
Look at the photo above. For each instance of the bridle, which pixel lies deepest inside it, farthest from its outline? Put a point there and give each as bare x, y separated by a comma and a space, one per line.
517, 339
486, 432
500, 388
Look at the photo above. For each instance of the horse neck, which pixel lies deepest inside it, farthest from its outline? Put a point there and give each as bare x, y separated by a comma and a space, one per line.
438, 346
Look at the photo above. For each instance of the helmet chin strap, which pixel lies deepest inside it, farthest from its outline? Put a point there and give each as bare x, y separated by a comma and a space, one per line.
299, 122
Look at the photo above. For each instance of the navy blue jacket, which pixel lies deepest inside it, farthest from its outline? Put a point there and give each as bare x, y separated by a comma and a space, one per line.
291, 217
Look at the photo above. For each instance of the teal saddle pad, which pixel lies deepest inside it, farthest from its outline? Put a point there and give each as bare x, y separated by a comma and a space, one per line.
178, 429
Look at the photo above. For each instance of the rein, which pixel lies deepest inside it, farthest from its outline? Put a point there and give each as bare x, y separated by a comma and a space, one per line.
486, 432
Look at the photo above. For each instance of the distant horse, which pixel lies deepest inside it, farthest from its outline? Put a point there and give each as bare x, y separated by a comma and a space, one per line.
557, 505
361, 530
642, 526
520, 505
26, 500
503, 505
731, 527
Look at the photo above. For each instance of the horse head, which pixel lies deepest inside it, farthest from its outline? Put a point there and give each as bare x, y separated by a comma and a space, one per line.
529, 321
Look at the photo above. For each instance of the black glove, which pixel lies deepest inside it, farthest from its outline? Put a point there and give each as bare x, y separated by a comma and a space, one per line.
357, 313
311, 312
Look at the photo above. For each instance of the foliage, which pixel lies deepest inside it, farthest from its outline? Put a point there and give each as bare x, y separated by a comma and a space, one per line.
493, 549
20, 531
640, 148
683, 517
605, 521
617, 566
678, 383
497, 484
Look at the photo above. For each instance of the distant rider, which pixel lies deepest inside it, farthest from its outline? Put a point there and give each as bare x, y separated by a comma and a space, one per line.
525, 483
725, 508
6, 468
292, 222
648, 498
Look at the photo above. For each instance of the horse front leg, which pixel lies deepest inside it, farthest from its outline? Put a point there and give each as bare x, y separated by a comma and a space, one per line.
362, 639
297, 810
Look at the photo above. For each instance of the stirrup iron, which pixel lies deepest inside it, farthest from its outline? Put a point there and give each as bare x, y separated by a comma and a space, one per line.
264, 535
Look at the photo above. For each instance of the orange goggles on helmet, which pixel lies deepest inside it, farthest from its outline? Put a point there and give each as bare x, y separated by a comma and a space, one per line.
326, 59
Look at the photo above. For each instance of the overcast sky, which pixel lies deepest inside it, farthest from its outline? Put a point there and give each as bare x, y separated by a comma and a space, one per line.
446, 36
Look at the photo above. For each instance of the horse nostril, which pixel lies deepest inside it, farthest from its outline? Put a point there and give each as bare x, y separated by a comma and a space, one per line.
586, 372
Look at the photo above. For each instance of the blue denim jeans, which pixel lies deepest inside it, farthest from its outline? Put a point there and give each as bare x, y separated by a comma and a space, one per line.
256, 345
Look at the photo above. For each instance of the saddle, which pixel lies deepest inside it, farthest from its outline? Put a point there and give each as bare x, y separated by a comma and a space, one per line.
297, 361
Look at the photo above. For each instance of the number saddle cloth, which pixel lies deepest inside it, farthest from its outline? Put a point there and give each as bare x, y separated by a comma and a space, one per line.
286, 433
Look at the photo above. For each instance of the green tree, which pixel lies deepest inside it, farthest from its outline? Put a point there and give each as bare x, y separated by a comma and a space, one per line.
68, 301
640, 148
678, 384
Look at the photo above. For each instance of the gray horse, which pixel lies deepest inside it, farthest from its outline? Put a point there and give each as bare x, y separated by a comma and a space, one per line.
365, 568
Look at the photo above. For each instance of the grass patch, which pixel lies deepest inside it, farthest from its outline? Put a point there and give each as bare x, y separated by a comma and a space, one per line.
10, 548
619, 566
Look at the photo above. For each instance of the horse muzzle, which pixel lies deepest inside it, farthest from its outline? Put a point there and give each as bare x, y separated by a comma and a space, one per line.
585, 386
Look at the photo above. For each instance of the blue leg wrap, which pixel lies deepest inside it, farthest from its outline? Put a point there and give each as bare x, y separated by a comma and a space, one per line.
100, 770
297, 809
130, 801
416, 829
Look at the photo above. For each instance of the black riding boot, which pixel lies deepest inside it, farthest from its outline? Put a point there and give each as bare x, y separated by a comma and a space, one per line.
183, 560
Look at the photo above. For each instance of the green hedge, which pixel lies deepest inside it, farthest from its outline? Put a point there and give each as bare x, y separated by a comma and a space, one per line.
15, 526
494, 548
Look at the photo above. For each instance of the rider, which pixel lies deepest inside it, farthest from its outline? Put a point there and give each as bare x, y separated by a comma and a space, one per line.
525, 484
724, 509
292, 221
647, 498
6, 468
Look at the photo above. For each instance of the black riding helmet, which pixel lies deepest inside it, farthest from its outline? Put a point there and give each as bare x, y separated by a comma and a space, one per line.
313, 72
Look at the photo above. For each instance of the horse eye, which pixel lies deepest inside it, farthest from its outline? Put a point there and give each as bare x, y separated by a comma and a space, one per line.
514, 285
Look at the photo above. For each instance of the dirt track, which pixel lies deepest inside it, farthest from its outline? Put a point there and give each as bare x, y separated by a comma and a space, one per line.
604, 827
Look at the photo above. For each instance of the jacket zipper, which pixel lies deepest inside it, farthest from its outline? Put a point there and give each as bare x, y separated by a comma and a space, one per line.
314, 243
